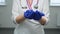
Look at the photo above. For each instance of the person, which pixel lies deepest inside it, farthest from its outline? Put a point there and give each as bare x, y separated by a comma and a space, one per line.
30, 16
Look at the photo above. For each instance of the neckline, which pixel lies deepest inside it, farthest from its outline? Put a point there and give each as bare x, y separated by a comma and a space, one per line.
30, 7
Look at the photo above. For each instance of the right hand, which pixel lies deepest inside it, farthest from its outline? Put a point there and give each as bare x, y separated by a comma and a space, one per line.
29, 14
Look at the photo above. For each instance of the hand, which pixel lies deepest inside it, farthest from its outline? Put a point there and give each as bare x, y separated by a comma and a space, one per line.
43, 20
38, 15
29, 14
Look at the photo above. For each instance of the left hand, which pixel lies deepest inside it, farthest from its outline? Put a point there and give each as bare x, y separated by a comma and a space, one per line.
43, 20
38, 15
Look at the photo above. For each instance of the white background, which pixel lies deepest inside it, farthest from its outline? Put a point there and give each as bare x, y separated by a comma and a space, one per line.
2, 2
54, 2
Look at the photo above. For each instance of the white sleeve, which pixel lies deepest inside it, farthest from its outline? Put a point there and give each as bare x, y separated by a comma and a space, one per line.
15, 10
46, 9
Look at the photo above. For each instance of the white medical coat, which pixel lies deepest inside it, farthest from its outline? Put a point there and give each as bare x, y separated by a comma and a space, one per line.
29, 26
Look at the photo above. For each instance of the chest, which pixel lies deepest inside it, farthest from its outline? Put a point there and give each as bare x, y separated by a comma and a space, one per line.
30, 4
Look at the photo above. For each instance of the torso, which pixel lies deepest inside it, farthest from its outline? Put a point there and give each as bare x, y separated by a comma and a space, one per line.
29, 26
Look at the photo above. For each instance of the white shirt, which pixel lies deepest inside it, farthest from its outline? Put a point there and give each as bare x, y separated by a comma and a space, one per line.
29, 26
